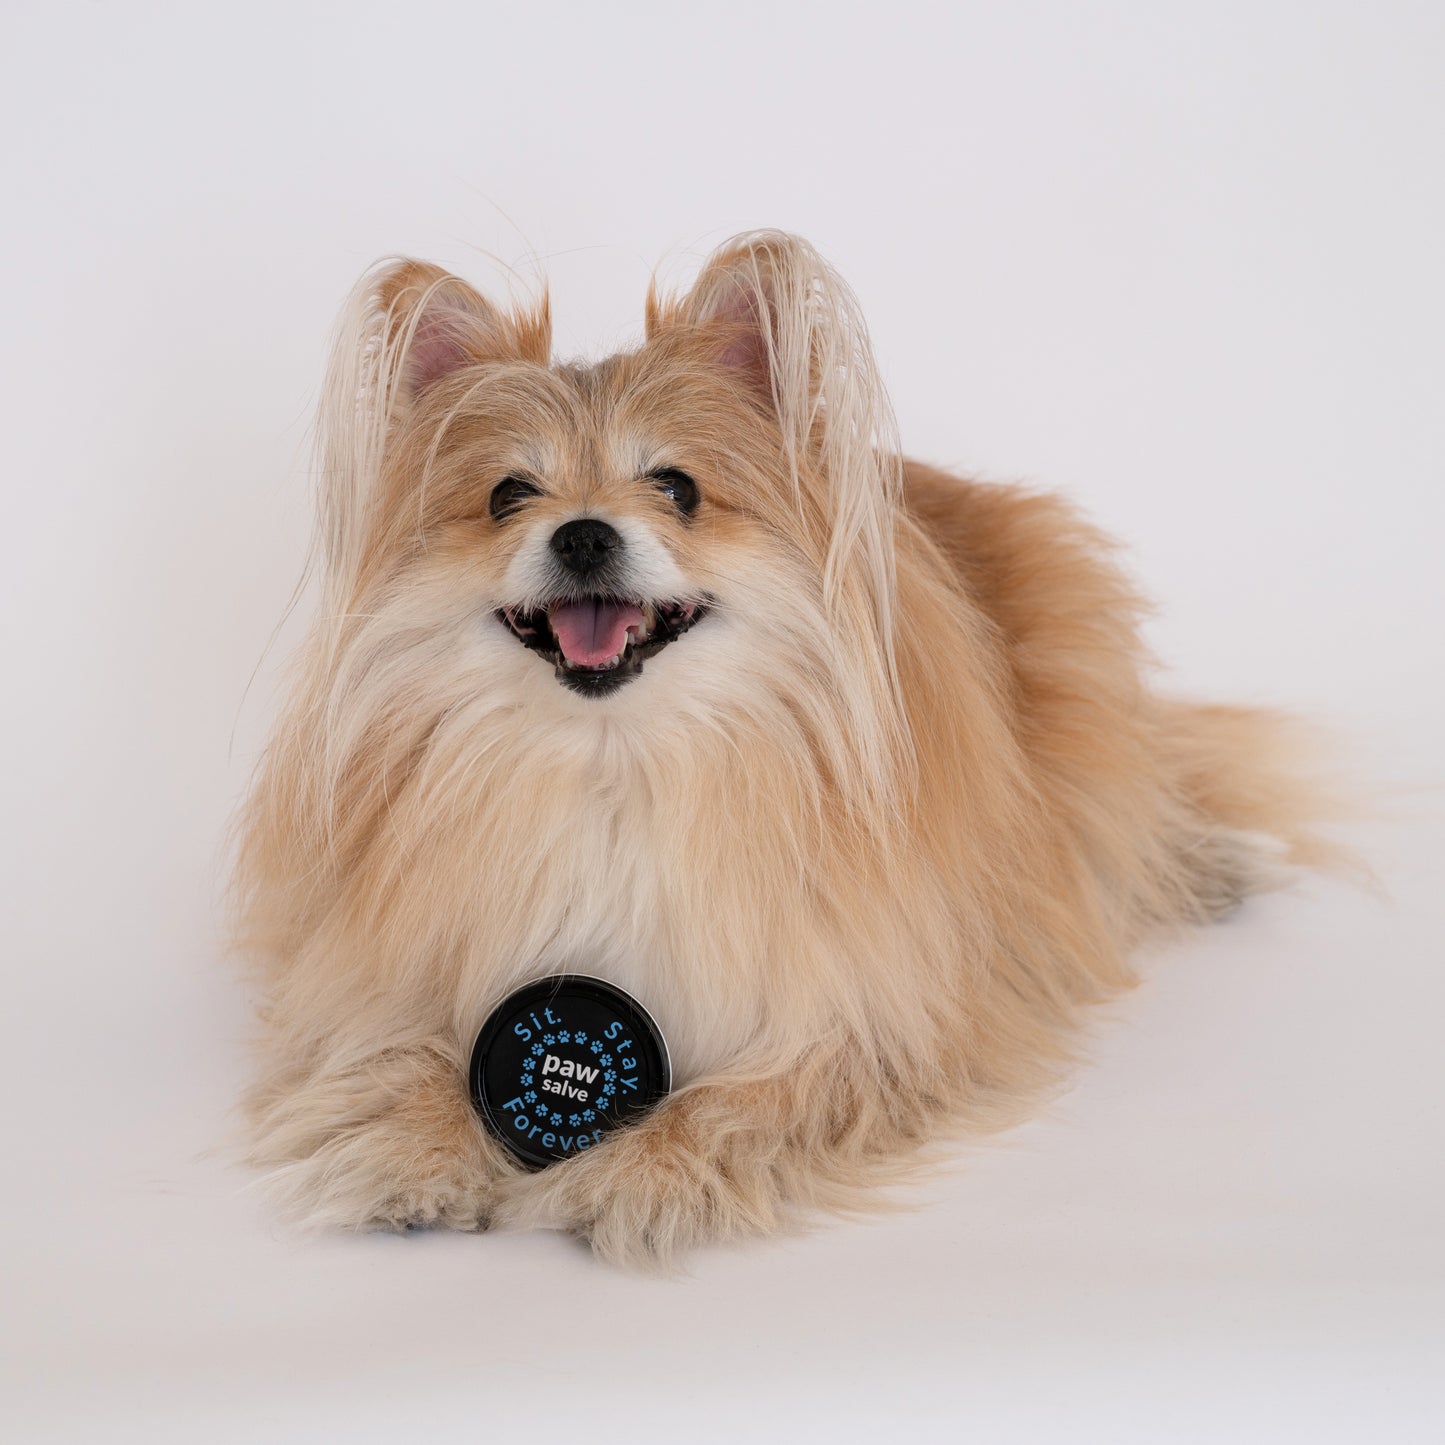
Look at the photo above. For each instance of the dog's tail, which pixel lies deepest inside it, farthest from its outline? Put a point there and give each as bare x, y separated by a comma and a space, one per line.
1255, 793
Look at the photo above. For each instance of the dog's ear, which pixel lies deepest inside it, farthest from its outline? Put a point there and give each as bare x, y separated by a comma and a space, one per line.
406, 327
435, 324
736, 307
731, 312
768, 309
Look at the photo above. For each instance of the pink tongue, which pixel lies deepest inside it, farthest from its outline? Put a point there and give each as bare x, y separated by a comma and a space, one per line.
593, 632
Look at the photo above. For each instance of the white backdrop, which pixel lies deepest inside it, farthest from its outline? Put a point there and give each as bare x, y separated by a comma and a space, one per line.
1179, 261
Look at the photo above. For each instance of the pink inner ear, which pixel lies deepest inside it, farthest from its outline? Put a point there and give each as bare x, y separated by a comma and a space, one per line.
745, 347
437, 349
745, 350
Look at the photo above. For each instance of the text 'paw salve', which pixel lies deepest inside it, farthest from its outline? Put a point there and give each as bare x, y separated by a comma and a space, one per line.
561, 1062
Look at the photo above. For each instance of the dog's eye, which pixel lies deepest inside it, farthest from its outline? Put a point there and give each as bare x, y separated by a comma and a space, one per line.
677, 487
509, 494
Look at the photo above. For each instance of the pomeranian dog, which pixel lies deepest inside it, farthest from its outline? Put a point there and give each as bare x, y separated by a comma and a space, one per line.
672, 670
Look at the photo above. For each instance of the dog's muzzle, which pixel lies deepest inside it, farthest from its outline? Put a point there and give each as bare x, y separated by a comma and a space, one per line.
597, 642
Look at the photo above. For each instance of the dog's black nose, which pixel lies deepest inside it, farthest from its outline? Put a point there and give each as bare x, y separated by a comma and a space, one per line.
582, 546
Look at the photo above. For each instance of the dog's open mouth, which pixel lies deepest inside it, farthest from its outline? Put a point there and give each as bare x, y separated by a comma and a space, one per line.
598, 643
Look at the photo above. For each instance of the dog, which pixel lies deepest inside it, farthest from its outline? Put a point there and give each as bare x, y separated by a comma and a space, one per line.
671, 669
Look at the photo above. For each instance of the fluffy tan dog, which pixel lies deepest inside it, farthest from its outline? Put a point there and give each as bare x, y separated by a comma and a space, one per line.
670, 669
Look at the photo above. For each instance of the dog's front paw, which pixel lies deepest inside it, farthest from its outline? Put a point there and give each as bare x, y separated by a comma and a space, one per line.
395, 1194
653, 1190
392, 1145
385, 1176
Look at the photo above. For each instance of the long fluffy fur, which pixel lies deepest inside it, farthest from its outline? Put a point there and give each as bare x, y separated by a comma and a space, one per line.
865, 841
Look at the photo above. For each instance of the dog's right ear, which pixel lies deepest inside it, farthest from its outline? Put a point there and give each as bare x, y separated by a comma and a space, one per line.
434, 324
406, 327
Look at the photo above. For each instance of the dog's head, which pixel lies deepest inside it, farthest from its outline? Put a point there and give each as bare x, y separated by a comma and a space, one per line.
702, 524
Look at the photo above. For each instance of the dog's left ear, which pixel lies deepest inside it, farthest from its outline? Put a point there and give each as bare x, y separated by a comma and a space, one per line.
733, 308
768, 308
770, 311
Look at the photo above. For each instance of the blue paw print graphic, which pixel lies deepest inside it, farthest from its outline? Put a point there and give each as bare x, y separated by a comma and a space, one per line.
556, 1119
536, 1051
563, 1037
530, 1096
589, 1114
604, 1060
579, 1037
596, 1046
549, 1038
527, 1080
574, 1119
610, 1076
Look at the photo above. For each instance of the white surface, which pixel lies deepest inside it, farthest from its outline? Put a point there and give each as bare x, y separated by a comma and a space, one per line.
1181, 262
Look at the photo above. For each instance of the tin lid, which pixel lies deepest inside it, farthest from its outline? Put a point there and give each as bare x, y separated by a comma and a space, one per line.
561, 1062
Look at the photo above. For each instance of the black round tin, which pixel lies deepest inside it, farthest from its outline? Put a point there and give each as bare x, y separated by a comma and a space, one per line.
563, 1061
